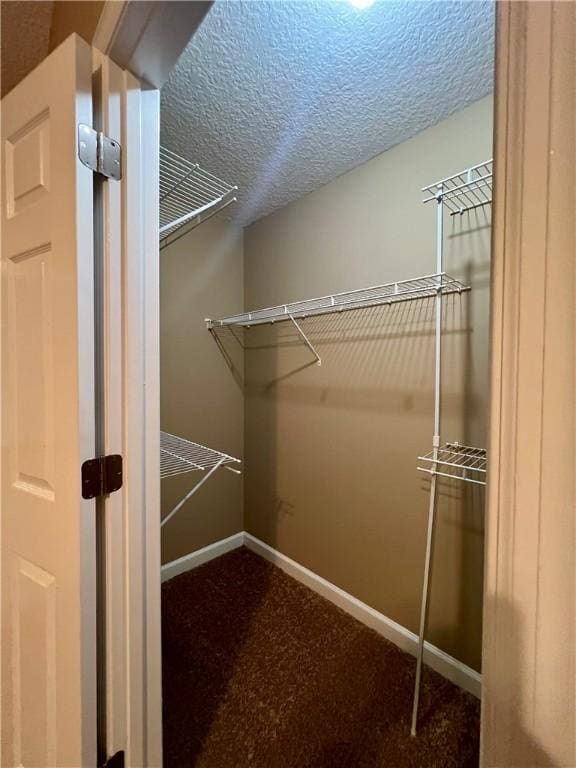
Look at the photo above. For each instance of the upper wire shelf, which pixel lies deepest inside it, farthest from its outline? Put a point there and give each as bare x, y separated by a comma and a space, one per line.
462, 462
389, 293
464, 191
178, 455
187, 191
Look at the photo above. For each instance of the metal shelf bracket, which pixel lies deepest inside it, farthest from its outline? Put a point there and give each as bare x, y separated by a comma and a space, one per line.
306, 340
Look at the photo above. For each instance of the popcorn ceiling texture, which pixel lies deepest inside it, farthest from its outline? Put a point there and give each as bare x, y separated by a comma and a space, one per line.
281, 97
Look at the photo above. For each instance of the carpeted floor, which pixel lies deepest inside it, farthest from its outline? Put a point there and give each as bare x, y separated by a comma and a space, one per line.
259, 671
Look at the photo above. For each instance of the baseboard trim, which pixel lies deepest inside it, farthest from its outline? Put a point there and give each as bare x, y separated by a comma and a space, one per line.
443, 663
201, 556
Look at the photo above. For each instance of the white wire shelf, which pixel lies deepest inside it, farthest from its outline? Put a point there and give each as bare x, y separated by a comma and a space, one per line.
188, 192
389, 293
462, 462
464, 191
178, 455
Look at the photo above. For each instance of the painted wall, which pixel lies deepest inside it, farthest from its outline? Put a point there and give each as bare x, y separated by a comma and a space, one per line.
24, 39
30, 29
331, 451
201, 275
80, 16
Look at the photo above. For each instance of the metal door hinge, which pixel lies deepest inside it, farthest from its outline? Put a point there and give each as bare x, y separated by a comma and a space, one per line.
101, 476
116, 761
99, 153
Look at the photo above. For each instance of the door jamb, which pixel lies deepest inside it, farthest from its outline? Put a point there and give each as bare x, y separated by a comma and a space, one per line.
528, 701
147, 38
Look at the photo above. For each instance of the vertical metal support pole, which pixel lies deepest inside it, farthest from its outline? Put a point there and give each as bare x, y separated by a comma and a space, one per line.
435, 446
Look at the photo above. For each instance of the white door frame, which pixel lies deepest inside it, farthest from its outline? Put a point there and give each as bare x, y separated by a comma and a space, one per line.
142, 426
131, 640
145, 40
131, 535
529, 675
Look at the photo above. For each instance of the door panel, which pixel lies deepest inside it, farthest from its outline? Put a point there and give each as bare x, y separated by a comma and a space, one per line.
29, 314
33, 593
48, 545
28, 164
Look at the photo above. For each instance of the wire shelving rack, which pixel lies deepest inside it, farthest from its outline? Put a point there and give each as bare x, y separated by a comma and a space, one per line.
188, 194
179, 456
465, 191
389, 293
457, 194
462, 462
424, 287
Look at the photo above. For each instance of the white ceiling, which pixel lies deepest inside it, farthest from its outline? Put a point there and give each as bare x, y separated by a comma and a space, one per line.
280, 97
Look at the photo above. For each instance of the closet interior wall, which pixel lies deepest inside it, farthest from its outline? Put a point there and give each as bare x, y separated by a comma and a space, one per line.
200, 399
330, 452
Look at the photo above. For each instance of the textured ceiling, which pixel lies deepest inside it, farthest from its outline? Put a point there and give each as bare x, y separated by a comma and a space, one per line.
25, 38
280, 97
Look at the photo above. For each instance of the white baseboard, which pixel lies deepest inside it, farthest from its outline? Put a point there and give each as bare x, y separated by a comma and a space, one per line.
201, 556
443, 663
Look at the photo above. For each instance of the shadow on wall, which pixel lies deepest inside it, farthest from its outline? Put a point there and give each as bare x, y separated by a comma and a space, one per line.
330, 452
460, 516
351, 343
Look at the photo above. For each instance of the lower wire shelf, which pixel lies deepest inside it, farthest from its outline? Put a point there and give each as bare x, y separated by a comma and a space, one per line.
461, 462
179, 456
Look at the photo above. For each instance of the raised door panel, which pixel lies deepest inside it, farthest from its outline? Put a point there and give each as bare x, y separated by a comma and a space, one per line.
33, 598
31, 439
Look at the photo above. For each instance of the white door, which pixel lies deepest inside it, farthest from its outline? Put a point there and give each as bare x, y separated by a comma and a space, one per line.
47, 334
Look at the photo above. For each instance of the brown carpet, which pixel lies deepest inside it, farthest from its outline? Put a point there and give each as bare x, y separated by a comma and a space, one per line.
259, 671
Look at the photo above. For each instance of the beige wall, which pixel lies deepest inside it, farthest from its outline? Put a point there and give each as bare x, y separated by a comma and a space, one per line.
201, 275
80, 16
330, 451
30, 29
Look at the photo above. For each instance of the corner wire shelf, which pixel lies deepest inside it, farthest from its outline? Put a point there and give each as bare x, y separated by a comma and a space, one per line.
464, 191
460, 462
188, 194
179, 456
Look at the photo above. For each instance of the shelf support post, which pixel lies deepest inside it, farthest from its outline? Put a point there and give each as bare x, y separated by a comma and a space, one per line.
305, 339
435, 447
